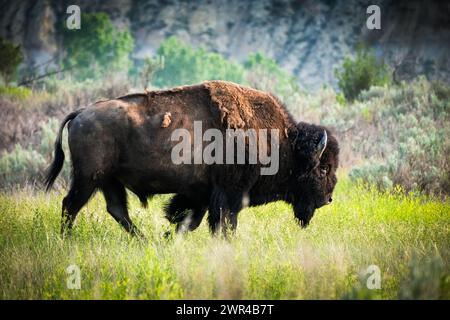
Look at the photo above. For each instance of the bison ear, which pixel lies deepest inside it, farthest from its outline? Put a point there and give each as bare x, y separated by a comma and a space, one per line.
292, 133
322, 144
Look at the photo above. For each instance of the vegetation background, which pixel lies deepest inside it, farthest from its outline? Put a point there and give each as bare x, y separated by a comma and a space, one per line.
391, 209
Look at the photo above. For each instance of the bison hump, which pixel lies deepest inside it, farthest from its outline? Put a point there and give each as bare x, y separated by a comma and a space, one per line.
239, 107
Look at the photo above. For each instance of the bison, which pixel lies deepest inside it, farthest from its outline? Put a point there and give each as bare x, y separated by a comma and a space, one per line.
128, 143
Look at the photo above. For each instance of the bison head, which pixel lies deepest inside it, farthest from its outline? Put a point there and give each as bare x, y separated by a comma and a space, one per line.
316, 154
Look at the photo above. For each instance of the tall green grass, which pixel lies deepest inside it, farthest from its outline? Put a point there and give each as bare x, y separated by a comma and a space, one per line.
406, 236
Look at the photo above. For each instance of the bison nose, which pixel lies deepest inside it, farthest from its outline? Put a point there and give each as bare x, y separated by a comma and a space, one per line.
330, 200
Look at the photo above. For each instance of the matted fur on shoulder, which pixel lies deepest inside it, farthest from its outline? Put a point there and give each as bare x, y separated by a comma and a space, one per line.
240, 107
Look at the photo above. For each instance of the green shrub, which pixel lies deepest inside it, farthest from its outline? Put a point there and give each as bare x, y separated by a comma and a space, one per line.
361, 73
426, 279
407, 140
265, 74
149, 68
440, 98
18, 93
97, 48
340, 98
20, 167
182, 64
10, 58
26, 166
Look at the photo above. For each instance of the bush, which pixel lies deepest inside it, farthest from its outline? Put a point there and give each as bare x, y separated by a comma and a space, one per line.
178, 64
20, 167
148, 69
265, 74
97, 48
18, 93
361, 73
10, 58
26, 166
409, 140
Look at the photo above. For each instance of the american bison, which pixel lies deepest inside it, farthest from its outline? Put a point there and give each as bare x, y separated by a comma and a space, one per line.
128, 143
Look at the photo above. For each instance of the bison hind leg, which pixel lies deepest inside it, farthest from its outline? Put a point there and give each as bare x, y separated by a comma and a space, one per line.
79, 194
116, 204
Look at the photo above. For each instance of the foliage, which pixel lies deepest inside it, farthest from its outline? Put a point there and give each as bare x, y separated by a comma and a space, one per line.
186, 65
10, 58
149, 68
270, 257
362, 72
97, 48
265, 74
19, 93
26, 166
412, 141
396, 135
20, 166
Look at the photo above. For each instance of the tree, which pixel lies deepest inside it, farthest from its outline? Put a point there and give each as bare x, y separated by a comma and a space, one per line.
97, 48
364, 71
10, 58
149, 67
185, 65
266, 74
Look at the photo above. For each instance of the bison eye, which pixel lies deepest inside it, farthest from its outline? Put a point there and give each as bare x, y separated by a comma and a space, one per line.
324, 170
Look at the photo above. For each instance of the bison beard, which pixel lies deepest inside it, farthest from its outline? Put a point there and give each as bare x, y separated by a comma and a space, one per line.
125, 143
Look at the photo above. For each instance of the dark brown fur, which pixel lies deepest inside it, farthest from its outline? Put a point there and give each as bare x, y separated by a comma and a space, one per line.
121, 143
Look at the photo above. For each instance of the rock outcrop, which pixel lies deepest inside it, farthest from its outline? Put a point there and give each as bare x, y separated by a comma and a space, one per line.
307, 38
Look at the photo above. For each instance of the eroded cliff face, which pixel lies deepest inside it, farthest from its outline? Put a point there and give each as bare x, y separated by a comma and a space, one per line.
307, 38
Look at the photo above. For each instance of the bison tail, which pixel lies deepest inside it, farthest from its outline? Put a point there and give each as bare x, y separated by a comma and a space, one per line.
58, 160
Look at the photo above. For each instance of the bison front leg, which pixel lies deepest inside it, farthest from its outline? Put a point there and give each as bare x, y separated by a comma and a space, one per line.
192, 221
224, 208
217, 205
186, 212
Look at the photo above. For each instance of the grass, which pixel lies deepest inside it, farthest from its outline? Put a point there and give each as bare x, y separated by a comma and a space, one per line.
406, 236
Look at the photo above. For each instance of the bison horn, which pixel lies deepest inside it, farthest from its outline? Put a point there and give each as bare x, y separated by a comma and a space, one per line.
322, 144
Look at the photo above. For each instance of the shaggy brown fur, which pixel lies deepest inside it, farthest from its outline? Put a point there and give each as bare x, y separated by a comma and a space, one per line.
126, 143
246, 108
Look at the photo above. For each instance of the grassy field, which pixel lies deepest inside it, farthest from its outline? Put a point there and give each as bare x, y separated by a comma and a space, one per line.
406, 236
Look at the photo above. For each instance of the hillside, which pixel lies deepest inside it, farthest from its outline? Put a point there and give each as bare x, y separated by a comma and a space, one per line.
307, 38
